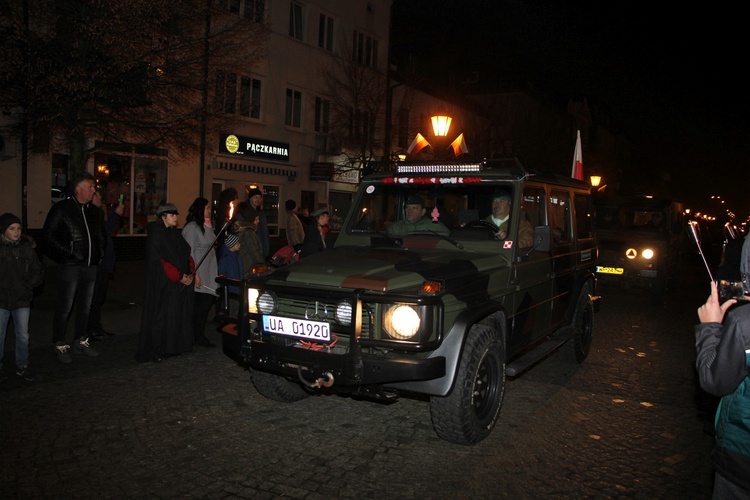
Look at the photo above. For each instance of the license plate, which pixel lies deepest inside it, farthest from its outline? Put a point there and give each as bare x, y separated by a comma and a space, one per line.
316, 331
609, 270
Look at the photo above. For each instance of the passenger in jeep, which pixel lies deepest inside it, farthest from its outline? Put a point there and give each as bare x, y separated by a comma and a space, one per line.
501, 204
415, 220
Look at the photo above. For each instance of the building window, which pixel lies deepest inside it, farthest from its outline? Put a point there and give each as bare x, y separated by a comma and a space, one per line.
322, 114
361, 125
296, 17
247, 9
365, 50
293, 116
325, 32
238, 94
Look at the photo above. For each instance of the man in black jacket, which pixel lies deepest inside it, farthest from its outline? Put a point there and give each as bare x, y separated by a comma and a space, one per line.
75, 239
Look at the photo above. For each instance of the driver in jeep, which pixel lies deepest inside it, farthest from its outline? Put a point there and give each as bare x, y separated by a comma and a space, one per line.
501, 204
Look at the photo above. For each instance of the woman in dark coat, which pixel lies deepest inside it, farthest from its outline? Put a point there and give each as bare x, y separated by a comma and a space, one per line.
167, 321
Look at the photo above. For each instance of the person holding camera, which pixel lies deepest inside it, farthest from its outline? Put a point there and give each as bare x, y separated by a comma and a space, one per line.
722, 341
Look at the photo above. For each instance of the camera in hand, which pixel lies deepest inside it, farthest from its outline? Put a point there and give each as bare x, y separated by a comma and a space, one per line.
731, 290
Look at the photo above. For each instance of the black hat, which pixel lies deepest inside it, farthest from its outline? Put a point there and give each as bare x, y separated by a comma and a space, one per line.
6, 220
253, 192
167, 208
415, 200
320, 212
501, 193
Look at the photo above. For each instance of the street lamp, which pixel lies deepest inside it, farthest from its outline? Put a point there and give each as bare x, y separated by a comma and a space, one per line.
596, 180
441, 124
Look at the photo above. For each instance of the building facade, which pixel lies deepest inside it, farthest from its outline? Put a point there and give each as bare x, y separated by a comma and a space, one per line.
281, 140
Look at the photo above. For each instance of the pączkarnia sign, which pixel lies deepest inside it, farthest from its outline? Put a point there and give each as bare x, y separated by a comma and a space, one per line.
254, 148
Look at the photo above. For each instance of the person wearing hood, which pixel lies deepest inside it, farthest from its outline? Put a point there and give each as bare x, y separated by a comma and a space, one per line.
20, 273
315, 233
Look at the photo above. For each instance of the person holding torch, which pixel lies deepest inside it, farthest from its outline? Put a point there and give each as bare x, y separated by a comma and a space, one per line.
199, 234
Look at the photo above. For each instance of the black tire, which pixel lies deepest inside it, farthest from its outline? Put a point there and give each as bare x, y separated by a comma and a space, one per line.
277, 388
576, 350
468, 414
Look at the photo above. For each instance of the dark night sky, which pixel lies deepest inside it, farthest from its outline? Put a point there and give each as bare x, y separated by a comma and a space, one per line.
672, 77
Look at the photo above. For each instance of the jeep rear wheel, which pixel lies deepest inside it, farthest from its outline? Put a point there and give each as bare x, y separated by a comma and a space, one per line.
577, 348
277, 388
468, 414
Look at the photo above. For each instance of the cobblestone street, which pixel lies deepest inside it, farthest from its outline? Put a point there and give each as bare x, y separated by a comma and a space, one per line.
627, 423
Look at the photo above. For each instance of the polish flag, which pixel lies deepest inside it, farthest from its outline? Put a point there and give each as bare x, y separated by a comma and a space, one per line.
577, 170
417, 144
459, 146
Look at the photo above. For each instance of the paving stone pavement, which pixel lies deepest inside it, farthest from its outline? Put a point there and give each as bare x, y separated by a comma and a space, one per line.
627, 423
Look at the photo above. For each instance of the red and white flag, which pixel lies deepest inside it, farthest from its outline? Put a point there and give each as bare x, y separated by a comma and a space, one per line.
417, 144
577, 170
459, 146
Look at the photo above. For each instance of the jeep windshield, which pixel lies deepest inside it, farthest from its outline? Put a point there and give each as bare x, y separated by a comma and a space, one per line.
446, 208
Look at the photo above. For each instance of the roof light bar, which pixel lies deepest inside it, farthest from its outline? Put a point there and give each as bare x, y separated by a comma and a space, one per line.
439, 168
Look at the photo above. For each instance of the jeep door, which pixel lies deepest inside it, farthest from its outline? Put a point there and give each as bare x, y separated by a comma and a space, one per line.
563, 253
532, 273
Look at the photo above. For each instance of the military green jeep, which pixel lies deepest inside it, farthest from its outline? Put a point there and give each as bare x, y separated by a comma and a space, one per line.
444, 280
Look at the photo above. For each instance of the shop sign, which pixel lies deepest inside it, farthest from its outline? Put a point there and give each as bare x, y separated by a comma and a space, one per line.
346, 175
254, 148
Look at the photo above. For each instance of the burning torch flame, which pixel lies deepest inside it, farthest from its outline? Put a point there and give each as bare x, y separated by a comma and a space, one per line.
231, 209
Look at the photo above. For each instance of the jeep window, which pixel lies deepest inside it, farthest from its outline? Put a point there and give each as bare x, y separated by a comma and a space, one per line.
584, 209
559, 216
459, 207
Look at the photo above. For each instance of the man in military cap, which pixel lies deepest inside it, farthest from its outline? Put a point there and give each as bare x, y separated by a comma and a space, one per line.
415, 221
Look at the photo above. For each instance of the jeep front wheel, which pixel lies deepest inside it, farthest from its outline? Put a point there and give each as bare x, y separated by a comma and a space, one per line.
468, 414
277, 388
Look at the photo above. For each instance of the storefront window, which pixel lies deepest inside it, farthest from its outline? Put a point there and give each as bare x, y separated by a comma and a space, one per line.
140, 182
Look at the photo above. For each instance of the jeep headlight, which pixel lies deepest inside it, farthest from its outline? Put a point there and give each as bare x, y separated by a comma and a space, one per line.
401, 321
647, 253
252, 300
